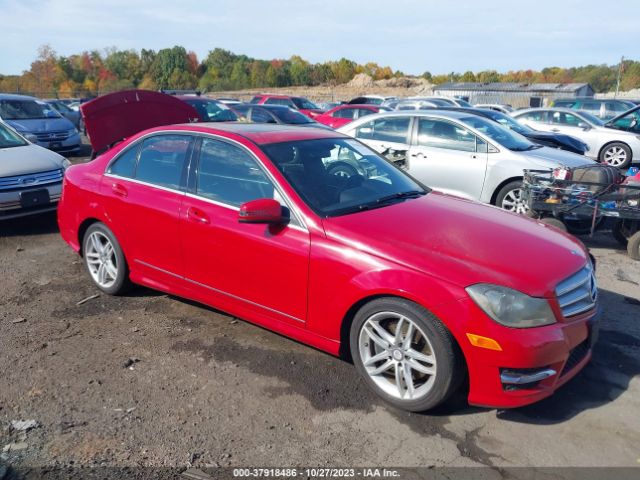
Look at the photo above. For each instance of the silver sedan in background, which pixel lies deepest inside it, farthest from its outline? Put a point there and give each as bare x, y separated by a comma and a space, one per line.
606, 144
461, 153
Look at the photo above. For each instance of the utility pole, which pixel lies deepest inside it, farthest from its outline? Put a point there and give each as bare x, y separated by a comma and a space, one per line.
619, 73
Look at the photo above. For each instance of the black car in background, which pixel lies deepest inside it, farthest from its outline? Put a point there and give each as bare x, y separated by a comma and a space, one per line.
209, 110
548, 139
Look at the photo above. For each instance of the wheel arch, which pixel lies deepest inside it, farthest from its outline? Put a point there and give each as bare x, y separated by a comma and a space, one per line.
82, 229
496, 191
611, 142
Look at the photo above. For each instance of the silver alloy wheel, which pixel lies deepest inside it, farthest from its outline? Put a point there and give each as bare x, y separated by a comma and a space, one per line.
615, 156
397, 355
514, 202
101, 259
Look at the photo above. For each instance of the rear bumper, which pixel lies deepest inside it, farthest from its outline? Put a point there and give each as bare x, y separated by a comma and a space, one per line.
11, 206
533, 362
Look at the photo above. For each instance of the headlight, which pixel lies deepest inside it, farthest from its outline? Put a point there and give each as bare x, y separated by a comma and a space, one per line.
65, 164
511, 308
72, 132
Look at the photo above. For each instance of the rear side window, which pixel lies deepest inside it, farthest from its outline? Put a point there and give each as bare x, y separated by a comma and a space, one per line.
162, 159
259, 115
229, 175
345, 113
125, 164
393, 129
535, 116
280, 101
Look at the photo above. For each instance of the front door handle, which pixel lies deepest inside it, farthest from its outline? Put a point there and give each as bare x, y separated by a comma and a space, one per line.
119, 190
555, 129
418, 155
197, 215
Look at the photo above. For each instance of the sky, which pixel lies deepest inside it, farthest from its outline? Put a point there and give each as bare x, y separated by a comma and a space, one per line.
413, 36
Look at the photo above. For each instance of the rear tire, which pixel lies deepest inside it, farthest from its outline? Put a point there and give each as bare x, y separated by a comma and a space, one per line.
105, 260
616, 154
618, 232
554, 222
633, 246
414, 369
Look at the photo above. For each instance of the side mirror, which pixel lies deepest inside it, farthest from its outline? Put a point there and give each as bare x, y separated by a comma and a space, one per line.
31, 137
584, 126
263, 210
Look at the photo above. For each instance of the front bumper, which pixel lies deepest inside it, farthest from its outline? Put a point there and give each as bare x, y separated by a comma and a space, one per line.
11, 205
70, 145
533, 362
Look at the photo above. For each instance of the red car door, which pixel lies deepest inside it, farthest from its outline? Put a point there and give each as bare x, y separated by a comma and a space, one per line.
255, 266
143, 198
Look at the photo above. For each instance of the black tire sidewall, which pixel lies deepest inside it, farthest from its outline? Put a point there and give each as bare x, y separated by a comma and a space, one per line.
633, 246
617, 144
121, 285
449, 363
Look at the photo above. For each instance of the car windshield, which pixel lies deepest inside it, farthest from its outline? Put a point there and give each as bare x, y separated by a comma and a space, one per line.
509, 122
290, 116
9, 138
496, 132
11, 109
591, 118
212, 111
340, 176
304, 103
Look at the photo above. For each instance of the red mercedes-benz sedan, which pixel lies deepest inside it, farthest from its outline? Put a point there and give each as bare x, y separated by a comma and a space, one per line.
422, 290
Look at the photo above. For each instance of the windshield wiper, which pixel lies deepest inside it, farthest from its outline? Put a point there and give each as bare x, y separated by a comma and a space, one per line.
400, 196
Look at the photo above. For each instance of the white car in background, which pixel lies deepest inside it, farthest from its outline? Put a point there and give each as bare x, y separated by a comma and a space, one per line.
498, 107
606, 144
461, 153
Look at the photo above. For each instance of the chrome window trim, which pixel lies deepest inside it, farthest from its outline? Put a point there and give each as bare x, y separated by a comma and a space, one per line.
288, 203
175, 275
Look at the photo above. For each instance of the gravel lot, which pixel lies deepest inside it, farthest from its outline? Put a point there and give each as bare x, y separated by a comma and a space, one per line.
149, 379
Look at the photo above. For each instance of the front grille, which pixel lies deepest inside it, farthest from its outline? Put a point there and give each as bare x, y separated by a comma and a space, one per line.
576, 356
578, 293
18, 182
52, 136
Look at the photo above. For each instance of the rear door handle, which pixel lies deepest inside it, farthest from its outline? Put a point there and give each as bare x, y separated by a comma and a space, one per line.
197, 215
418, 155
119, 190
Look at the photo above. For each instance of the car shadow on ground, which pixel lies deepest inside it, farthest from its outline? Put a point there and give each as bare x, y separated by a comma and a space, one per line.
615, 362
40, 224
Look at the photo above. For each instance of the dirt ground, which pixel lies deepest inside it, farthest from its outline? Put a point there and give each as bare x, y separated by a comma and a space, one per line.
149, 379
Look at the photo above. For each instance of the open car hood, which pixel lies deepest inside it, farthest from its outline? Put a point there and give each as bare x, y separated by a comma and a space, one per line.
622, 115
116, 116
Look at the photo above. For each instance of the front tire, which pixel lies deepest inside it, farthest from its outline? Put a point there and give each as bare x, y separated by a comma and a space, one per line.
405, 354
105, 260
633, 246
510, 198
616, 154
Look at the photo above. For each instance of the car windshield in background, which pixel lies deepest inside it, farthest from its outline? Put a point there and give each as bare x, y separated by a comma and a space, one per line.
9, 138
508, 121
498, 133
304, 104
341, 176
287, 115
591, 118
26, 110
213, 111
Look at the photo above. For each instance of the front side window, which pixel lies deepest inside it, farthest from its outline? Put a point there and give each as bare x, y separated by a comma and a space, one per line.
563, 118
344, 113
260, 115
390, 129
338, 176
161, 160
229, 175
443, 134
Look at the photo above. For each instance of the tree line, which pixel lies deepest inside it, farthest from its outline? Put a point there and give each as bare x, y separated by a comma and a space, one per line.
96, 72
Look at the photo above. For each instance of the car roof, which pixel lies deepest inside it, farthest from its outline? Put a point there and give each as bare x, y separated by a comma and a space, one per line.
259, 133
436, 112
13, 96
271, 107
